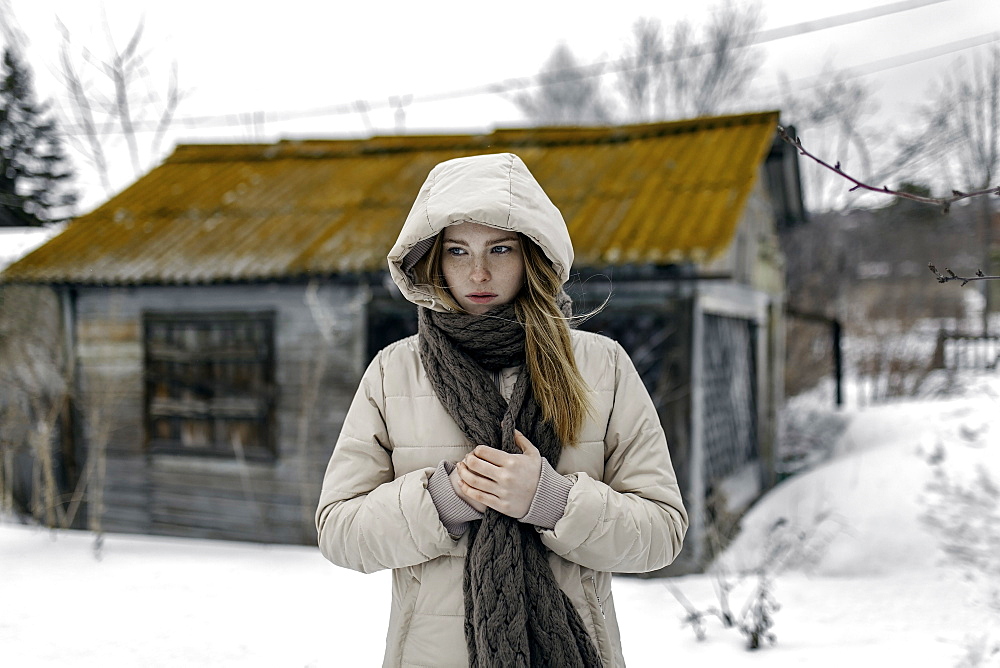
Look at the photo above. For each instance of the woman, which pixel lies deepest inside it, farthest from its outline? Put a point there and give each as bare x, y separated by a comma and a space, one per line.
500, 463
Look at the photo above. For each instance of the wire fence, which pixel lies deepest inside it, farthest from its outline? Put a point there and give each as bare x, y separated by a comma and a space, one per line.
730, 393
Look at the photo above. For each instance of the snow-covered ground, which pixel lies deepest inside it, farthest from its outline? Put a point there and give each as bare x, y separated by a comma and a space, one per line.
875, 590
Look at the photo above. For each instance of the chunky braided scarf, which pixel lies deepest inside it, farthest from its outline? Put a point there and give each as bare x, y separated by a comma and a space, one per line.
515, 612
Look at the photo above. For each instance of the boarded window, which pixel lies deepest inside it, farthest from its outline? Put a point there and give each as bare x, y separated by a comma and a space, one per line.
210, 384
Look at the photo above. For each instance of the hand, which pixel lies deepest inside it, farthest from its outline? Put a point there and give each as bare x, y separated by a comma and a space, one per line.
456, 484
499, 480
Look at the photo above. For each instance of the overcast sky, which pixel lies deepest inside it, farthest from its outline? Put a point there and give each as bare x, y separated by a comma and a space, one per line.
241, 62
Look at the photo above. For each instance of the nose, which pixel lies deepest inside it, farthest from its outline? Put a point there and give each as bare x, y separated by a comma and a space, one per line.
480, 274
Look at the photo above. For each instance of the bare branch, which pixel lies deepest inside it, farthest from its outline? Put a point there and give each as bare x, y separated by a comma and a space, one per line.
120, 70
12, 34
84, 112
122, 99
173, 99
949, 275
944, 202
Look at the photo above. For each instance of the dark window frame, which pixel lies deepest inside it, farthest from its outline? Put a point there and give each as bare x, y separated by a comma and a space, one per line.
209, 384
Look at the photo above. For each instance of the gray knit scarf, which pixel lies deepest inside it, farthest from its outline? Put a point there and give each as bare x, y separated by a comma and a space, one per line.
515, 612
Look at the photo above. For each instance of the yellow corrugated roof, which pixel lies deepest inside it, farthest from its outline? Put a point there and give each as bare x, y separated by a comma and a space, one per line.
657, 193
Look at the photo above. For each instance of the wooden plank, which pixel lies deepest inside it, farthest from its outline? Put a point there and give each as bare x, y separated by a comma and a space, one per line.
263, 528
229, 491
164, 503
285, 535
125, 519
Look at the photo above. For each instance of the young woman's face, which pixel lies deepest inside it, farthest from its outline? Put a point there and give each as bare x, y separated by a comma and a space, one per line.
483, 266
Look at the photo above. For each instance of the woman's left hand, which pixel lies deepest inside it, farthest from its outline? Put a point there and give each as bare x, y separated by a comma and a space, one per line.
504, 482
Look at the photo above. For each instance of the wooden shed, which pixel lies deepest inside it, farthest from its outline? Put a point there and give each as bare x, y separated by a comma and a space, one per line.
218, 313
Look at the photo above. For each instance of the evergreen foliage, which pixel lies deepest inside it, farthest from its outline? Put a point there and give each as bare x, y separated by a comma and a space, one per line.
34, 169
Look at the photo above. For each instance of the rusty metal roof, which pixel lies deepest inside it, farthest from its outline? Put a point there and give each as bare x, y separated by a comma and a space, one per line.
642, 194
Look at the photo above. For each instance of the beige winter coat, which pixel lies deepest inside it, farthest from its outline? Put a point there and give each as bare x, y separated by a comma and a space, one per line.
624, 512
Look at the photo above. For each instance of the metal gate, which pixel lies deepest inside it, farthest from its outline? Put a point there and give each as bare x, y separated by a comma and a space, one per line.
730, 392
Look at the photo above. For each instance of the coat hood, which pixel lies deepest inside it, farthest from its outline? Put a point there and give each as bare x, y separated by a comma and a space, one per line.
495, 190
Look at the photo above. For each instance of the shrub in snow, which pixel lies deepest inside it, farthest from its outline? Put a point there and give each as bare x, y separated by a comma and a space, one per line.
788, 546
754, 620
966, 517
757, 617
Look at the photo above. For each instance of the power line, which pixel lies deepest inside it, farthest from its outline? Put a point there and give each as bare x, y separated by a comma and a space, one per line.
399, 102
876, 66
839, 20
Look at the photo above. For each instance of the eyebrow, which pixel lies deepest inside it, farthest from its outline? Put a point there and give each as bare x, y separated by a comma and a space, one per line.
491, 242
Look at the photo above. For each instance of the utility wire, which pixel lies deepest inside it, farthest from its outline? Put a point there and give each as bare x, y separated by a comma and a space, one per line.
876, 66
398, 102
839, 20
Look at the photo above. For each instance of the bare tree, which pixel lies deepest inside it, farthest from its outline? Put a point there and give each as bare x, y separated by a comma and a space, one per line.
567, 94
13, 36
113, 98
708, 73
691, 74
967, 108
642, 78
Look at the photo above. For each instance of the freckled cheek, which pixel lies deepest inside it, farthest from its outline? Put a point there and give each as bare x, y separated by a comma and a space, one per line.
516, 276
450, 272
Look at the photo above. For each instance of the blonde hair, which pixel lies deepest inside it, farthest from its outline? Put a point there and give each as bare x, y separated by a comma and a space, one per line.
558, 386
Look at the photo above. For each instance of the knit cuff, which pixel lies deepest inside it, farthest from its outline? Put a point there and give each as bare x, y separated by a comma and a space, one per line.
549, 504
454, 512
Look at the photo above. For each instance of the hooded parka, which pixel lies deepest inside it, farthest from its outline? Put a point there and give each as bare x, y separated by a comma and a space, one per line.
624, 512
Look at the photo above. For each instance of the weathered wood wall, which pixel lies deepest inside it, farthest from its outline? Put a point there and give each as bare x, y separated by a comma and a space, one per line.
316, 376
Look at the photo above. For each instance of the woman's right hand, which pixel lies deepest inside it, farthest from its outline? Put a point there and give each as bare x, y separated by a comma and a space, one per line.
458, 485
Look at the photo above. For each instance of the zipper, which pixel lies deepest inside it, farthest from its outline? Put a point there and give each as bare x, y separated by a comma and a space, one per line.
600, 605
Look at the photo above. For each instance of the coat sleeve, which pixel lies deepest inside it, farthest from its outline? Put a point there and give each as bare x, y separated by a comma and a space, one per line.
632, 520
368, 519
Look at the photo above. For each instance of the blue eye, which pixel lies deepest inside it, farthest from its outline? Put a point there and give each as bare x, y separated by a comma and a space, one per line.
455, 250
501, 249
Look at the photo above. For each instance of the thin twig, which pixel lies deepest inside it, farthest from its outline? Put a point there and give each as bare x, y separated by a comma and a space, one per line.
949, 275
944, 202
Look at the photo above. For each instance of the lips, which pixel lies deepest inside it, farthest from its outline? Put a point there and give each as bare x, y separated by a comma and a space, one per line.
481, 297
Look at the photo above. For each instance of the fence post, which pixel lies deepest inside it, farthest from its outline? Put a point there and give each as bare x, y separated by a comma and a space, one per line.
838, 361
937, 362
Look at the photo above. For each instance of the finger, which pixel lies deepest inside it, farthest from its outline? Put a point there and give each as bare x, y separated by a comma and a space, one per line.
527, 447
492, 455
470, 494
482, 467
475, 497
474, 480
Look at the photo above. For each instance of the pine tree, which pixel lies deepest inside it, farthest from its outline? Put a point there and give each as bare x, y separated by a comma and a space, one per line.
34, 169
